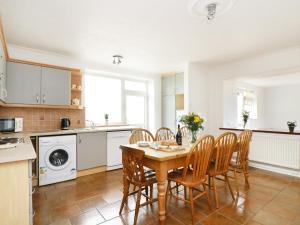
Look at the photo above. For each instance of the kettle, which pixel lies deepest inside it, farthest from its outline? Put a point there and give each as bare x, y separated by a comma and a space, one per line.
65, 123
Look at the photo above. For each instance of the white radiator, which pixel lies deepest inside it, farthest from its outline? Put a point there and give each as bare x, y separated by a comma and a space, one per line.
276, 149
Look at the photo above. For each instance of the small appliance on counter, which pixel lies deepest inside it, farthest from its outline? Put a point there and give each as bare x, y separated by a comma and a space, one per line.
65, 123
8, 125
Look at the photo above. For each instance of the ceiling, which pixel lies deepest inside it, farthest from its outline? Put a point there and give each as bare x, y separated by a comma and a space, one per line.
153, 36
273, 81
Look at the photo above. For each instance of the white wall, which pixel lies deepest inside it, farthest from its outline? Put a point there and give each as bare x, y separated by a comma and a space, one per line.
281, 105
196, 89
212, 77
62, 60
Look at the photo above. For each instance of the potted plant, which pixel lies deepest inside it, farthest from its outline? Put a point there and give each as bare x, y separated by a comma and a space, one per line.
194, 123
291, 125
245, 115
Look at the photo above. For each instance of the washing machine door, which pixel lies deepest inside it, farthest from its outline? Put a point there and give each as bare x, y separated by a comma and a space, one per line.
58, 157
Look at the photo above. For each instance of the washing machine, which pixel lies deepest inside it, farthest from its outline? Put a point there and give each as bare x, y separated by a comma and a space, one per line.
57, 159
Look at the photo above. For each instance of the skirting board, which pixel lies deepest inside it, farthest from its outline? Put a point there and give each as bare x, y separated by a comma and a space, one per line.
91, 171
276, 169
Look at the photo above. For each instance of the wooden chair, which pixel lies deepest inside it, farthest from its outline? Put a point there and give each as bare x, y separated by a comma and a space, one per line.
219, 166
164, 134
140, 134
240, 164
184, 131
133, 173
194, 171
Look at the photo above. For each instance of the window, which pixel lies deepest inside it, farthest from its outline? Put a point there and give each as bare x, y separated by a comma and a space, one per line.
246, 101
125, 101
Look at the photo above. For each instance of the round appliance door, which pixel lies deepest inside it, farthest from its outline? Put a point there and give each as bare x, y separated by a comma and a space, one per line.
58, 157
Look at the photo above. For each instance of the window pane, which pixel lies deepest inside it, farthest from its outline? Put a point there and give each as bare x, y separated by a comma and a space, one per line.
135, 86
135, 109
103, 95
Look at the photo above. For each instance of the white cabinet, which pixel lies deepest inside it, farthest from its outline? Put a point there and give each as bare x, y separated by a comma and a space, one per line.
114, 153
91, 150
30, 84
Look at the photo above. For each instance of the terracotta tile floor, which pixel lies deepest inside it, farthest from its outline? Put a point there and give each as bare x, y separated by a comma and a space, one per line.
271, 200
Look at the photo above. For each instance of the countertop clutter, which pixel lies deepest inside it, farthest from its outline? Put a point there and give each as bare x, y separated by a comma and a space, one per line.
25, 151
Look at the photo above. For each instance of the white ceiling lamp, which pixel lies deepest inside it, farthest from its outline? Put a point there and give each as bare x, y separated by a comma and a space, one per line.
209, 8
117, 59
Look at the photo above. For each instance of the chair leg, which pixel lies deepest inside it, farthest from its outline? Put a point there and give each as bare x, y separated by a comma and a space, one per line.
236, 182
207, 196
167, 193
192, 203
177, 190
185, 194
209, 183
125, 197
215, 192
147, 193
230, 189
246, 174
137, 206
151, 193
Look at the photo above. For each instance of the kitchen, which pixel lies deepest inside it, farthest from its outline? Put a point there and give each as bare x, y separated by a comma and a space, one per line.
75, 92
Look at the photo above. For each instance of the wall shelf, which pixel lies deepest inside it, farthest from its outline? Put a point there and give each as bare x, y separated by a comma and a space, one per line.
41, 106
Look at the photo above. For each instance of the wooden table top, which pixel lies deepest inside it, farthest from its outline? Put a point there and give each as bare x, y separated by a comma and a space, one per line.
157, 154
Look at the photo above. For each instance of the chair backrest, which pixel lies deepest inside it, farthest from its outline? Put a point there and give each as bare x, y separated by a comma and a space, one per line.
198, 158
163, 134
140, 134
244, 140
184, 131
224, 147
133, 167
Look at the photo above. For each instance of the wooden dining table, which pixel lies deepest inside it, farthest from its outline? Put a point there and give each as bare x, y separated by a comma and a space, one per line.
161, 162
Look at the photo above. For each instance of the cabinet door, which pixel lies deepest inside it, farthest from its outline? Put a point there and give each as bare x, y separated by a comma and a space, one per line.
55, 87
2, 74
23, 83
168, 112
91, 150
168, 85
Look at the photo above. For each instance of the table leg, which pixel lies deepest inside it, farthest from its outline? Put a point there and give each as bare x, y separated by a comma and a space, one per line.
162, 176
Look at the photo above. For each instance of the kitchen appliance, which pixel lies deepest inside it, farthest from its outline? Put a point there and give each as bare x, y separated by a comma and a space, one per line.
114, 153
65, 123
11, 125
57, 159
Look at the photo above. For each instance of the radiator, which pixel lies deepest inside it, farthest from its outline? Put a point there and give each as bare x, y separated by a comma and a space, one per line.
275, 149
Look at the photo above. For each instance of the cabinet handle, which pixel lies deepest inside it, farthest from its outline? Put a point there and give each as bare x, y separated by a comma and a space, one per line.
37, 98
79, 140
44, 98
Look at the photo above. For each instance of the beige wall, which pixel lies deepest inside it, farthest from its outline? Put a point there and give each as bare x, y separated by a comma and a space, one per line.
45, 119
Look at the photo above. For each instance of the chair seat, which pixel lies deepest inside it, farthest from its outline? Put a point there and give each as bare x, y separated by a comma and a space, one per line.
176, 176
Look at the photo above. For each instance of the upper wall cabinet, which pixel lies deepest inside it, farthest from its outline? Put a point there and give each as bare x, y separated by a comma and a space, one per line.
2, 73
30, 84
55, 86
23, 83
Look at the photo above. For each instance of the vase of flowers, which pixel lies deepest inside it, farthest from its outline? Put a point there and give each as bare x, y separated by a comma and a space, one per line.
291, 125
245, 115
194, 123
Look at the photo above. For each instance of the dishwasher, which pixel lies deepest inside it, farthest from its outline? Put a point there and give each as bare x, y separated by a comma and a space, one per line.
114, 153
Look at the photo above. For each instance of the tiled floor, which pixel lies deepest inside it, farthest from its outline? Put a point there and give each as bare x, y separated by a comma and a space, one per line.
272, 199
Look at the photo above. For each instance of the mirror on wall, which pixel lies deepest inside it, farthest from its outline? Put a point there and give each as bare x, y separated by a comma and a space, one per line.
271, 101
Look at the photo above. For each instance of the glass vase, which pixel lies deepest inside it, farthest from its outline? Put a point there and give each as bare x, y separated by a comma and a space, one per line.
193, 137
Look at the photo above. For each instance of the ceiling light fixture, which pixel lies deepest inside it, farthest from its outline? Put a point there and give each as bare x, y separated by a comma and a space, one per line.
117, 59
209, 8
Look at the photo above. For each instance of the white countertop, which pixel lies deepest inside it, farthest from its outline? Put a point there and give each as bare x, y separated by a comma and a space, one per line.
25, 151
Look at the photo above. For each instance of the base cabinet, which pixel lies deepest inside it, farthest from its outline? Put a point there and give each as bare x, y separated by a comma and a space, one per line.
16, 193
91, 150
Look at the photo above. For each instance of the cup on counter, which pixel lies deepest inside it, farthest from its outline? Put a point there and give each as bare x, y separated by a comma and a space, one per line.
75, 101
79, 87
73, 86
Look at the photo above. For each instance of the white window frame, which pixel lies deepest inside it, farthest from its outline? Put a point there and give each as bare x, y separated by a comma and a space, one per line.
239, 114
125, 93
